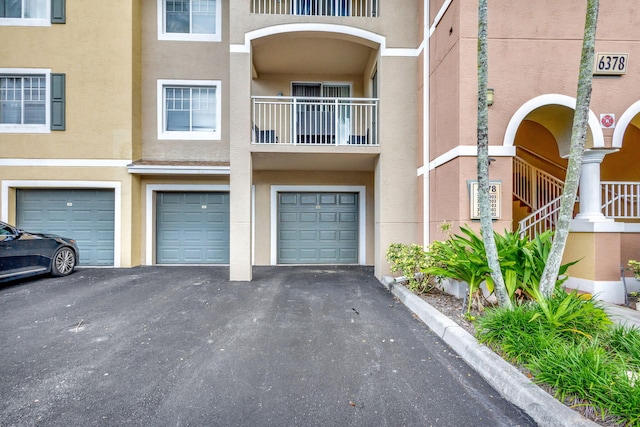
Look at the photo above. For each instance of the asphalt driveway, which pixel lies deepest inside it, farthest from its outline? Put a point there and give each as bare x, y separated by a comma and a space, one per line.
181, 346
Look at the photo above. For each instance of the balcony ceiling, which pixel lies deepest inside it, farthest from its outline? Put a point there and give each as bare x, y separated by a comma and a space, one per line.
309, 53
316, 161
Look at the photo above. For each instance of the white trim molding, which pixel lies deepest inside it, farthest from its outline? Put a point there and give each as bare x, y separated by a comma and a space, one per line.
177, 170
324, 28
439, 15
470, 151
623, 123
362, 213
609, 291
150, 209
63, 163
116, 186
550, 99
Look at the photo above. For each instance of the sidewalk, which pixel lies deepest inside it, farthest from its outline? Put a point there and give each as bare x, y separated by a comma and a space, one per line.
623, 315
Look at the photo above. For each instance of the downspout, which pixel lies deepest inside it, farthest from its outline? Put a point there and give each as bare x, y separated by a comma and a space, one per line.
426, 37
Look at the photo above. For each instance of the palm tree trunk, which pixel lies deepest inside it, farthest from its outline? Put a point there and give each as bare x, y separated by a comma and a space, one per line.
483, 162
578, 138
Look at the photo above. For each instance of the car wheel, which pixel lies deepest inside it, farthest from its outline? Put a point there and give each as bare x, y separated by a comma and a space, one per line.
64, 261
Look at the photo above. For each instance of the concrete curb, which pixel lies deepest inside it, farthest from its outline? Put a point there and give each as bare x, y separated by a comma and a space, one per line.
507, 380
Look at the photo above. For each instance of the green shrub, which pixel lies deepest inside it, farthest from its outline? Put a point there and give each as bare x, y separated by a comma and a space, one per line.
410, 260
635, 267
513, 334
522, 261
460, 258
626, 343
588, 371
570, 314
568, 343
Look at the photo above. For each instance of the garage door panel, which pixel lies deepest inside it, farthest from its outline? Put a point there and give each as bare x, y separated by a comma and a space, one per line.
216, 217
308, 199
309, 235
288, 217
328, 199
348, 235
308, 254
348, 199
348, 253
328, 235
348, 217
328, 254
86, 215
309, 230
288, 235
328, 217
192, 228
288, 199
308, 217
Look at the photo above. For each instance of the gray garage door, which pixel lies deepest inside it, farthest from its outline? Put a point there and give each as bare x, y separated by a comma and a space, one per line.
84, 215
192, 228
317, 228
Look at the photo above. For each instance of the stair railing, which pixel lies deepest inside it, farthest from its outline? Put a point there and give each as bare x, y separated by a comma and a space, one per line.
534, 187
540, 220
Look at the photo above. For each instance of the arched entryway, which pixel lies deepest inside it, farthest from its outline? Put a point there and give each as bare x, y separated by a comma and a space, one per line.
541, 132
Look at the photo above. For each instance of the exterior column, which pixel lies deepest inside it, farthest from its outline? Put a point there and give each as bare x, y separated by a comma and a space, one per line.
241, 177
590, 192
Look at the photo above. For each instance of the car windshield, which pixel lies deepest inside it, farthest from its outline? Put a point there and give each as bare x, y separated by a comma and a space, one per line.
6, 230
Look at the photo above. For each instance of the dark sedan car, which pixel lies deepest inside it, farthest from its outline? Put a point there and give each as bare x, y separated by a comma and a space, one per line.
24, 254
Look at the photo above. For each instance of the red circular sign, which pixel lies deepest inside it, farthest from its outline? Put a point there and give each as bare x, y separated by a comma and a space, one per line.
607, 121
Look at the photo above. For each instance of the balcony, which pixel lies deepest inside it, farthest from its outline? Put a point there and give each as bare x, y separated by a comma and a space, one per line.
360, 8
314, 121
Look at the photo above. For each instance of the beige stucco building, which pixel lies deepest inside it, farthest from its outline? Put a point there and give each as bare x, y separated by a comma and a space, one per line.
268, 132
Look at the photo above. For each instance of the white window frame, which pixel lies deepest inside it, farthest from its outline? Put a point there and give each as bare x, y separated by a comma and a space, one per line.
201, 136
31, 128
29, 22
162, 35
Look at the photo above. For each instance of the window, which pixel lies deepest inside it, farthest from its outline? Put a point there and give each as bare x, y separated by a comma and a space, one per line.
31, 12
31, 100
189, 109
190, 20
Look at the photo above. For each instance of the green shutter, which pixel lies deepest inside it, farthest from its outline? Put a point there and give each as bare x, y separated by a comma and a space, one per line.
58, 15
57, 101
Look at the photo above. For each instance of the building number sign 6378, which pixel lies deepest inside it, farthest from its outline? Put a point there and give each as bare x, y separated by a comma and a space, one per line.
611, 63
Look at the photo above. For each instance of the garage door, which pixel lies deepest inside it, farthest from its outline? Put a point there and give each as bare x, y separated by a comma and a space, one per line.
192, 228
317, 228
84, 215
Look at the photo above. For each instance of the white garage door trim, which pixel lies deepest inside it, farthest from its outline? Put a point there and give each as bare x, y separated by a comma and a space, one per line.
150, 223
81, 185
362, 212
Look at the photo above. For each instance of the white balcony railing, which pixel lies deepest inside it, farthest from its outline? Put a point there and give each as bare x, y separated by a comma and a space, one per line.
363, 8
306, 120
621, 199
